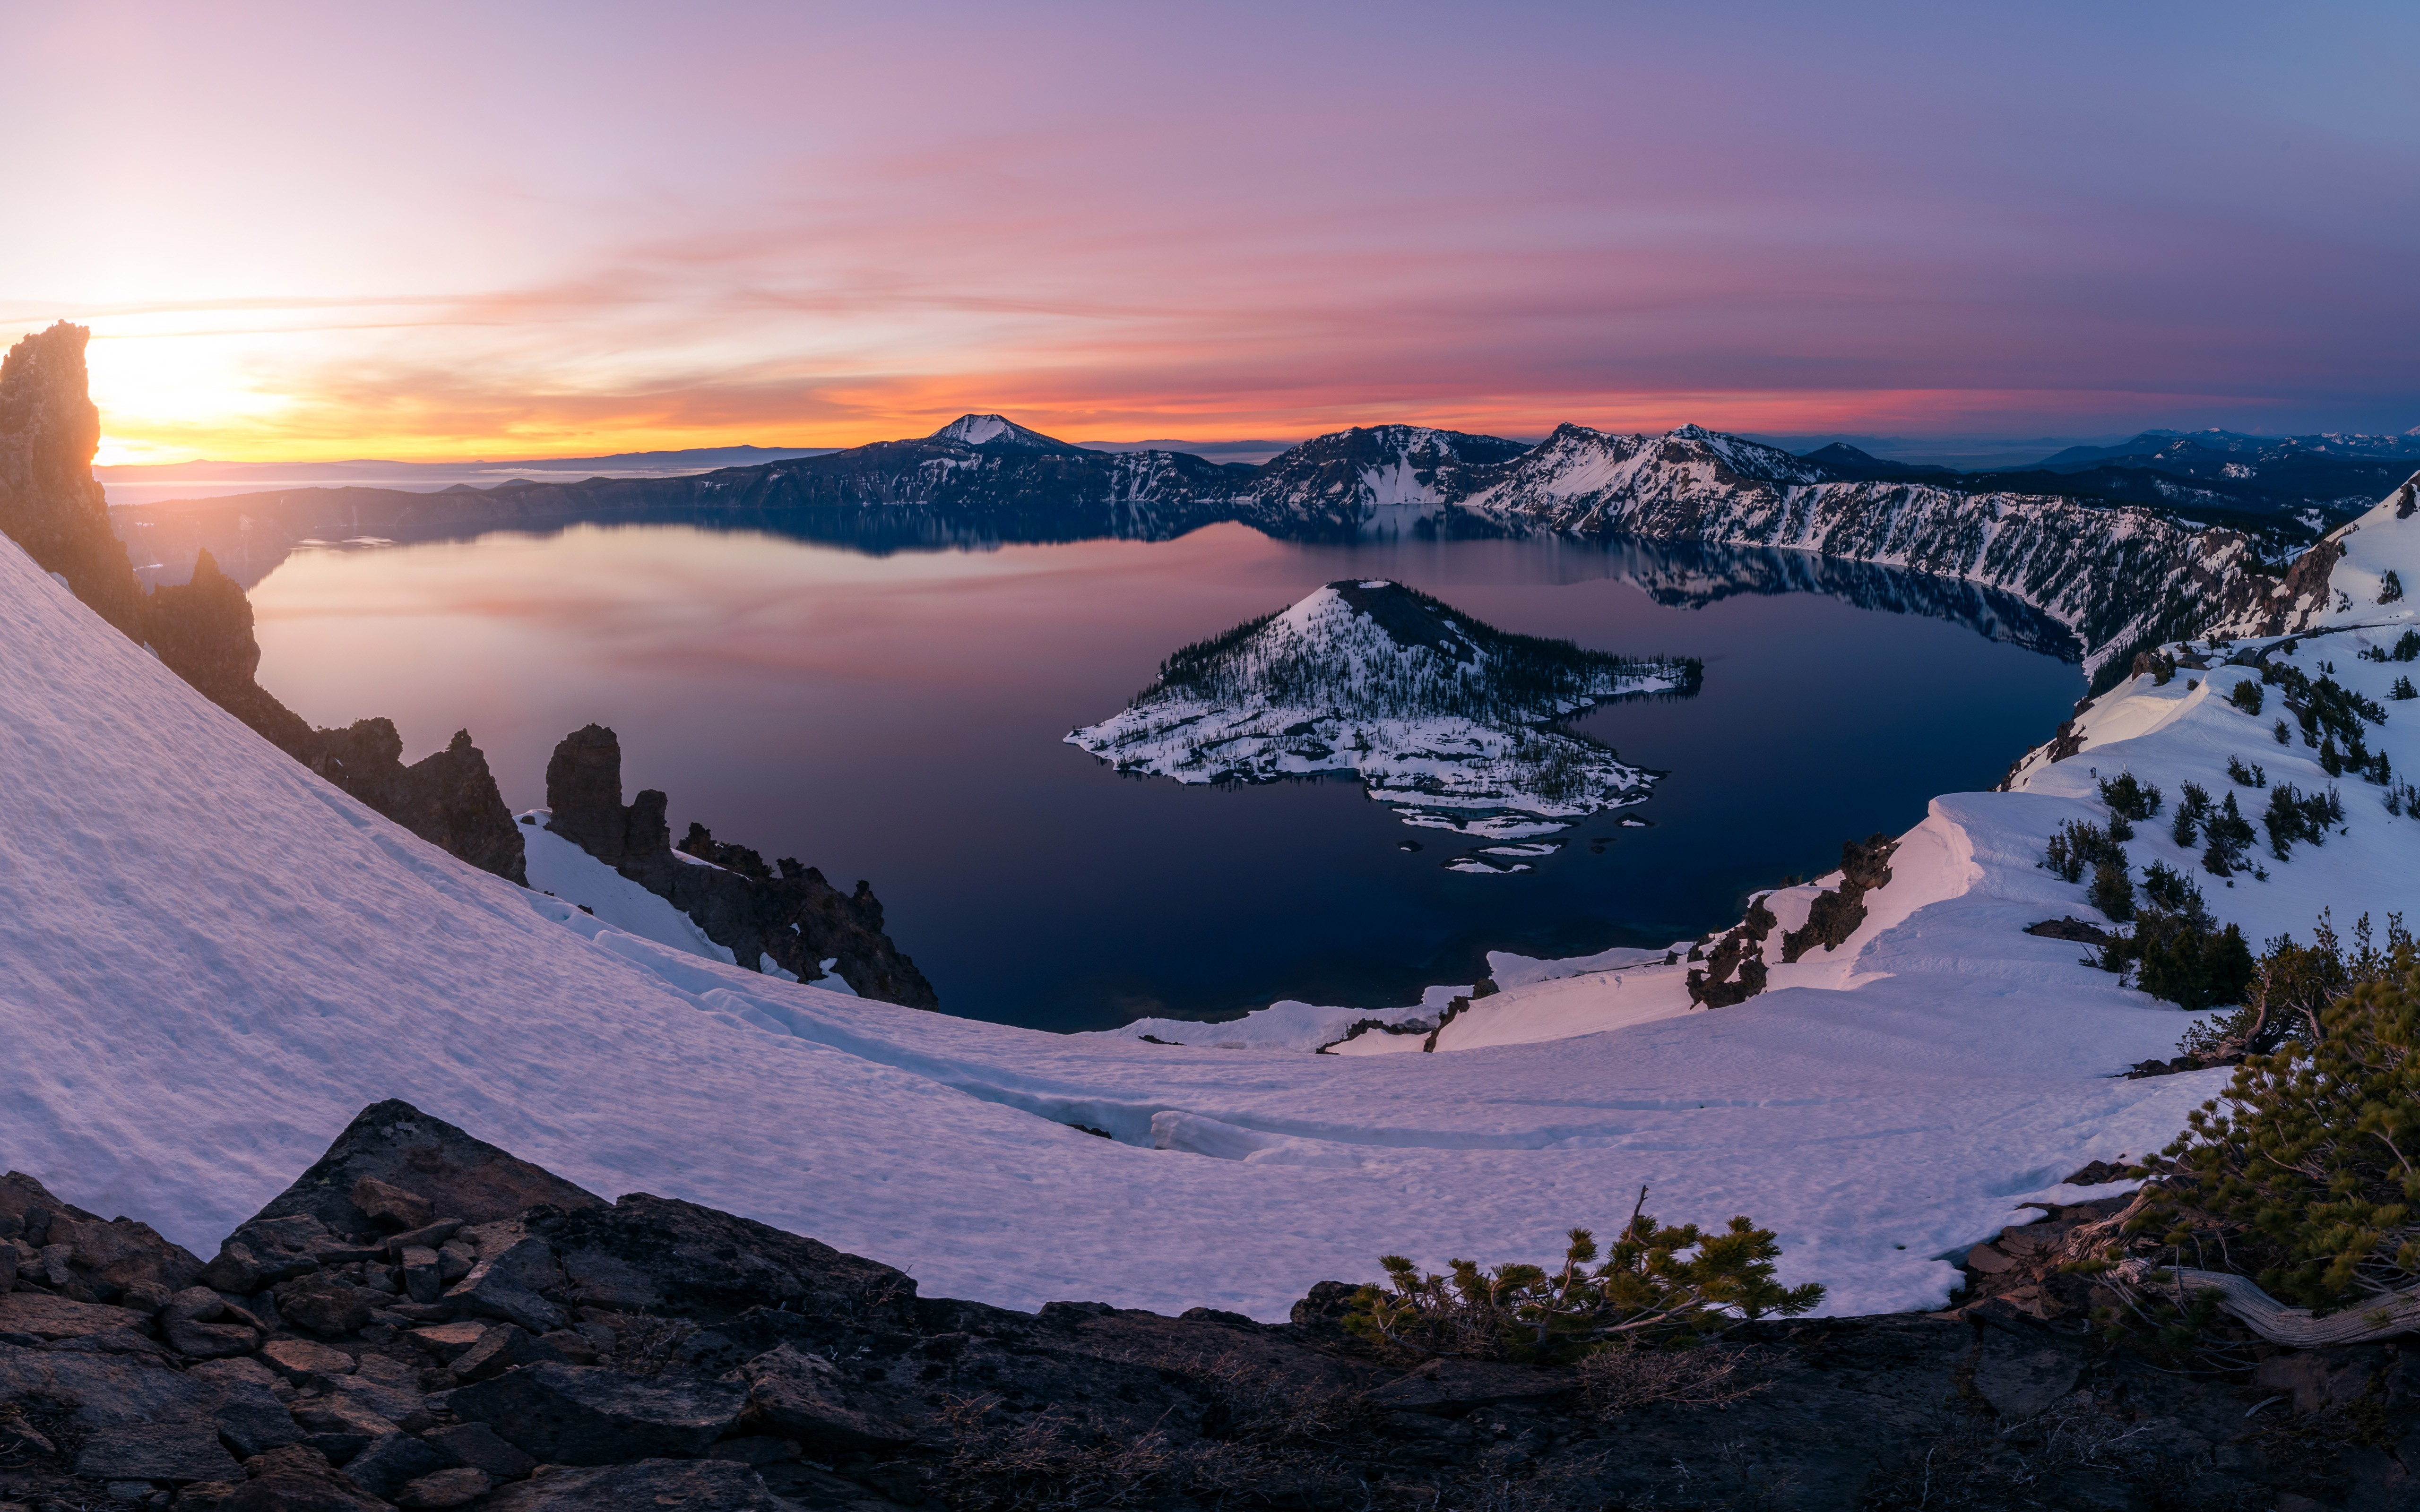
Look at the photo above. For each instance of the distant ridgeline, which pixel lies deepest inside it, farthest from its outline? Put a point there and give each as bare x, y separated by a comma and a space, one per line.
1437, 713
2128, 548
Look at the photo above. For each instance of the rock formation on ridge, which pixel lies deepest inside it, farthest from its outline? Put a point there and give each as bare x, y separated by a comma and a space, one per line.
792, 914
49, 503
202, 630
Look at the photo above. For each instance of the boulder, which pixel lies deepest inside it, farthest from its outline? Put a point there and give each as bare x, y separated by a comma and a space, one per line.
245, 1271
326, 1307
460, 1177
111, 1257
110, 1390
297, 1480
449, 1342
299, 1360
396, 1400
457, 1486
392, 1207
211, 1341
688, 1484
501, 1348
46, 1317
176, 1451
476, 1444
251, 1420
392, 1461
795, 1395
652, 1254
429, 1236
507, 1283
587, 1415
424, 1279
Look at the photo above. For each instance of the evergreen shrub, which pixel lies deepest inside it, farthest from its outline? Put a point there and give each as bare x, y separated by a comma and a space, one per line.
1658, 1286
2300, 1163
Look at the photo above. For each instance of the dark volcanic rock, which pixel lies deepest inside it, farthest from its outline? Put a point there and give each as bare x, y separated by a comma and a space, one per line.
650, 1254
105, 1257
187, 1451
805, 1397
463, 1177
202, 630
689, 1485
390, 1461
739, 1365
297, 1480
571, 1415
787, 911
49, 503
449, 799
325, 1306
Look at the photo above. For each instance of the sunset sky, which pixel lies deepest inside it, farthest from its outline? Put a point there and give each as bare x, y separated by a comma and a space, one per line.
499, 230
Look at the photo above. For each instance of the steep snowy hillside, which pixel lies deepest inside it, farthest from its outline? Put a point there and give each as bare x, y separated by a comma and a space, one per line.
213, 959
1437, 712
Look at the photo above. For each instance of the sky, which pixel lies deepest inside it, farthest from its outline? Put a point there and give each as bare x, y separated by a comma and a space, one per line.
436, 232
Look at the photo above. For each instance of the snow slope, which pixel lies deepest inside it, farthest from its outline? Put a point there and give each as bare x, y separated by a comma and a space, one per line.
213, 960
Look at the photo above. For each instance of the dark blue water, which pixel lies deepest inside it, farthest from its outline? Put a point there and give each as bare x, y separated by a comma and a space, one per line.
898, 717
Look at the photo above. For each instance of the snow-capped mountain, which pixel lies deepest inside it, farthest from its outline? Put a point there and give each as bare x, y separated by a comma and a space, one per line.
1437, 712
999, 433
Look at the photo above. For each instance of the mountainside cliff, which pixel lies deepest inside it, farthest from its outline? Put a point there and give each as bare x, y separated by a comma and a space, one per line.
2121, 578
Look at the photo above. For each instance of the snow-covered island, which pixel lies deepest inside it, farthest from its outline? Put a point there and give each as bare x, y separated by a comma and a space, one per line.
1445, 718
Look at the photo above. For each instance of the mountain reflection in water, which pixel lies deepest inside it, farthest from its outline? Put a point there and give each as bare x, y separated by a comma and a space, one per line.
886, 699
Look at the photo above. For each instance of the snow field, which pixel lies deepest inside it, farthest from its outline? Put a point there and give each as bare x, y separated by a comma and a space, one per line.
214, 960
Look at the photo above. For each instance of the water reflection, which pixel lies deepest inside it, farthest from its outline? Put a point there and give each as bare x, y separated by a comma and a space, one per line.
896, 715
1679, 574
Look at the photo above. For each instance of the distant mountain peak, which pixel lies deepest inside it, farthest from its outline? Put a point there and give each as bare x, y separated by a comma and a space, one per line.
999, 433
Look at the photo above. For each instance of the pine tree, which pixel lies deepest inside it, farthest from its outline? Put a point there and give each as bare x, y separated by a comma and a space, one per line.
2301, 1162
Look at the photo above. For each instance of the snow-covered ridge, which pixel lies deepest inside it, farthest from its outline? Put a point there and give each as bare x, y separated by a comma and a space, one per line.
1435, 712
2120, 577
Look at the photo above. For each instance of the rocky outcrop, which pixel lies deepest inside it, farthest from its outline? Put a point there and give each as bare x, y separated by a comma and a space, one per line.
695, 1359
202, 629
49, 503
448, 797
1834, 916
786, 912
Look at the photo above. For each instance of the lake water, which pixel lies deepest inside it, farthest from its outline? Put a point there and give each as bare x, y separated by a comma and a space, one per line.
898, 716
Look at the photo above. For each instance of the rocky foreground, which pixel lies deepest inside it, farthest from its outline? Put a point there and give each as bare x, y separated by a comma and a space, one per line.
423, 1320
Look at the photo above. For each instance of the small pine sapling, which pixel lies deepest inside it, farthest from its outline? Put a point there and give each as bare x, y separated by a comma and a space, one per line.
2192, 808
2129, 797
2390, 587
2113, 890
2246, 695
2285, 736
2403, 689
